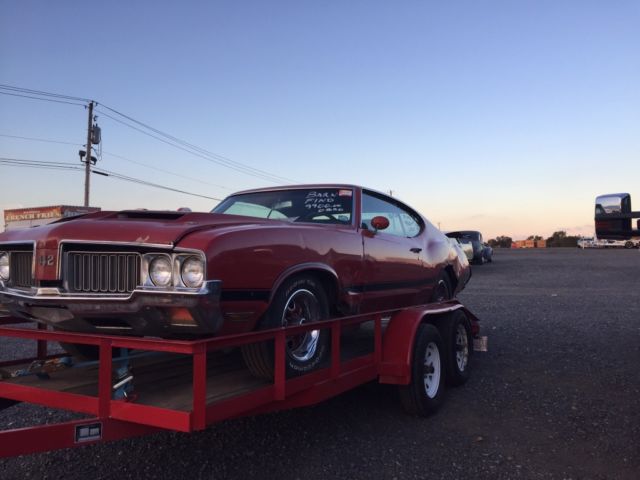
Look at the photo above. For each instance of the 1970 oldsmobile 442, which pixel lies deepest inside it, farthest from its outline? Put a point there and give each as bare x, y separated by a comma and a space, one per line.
261, 259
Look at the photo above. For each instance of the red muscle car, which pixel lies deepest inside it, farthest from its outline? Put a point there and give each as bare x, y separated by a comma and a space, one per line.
261, 259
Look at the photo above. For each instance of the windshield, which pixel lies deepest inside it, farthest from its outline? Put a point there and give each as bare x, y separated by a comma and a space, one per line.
317, 205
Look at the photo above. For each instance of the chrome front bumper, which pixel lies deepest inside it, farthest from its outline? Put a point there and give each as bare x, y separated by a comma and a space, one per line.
145, 311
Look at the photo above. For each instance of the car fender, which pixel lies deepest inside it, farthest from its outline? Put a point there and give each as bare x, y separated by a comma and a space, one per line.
301, 268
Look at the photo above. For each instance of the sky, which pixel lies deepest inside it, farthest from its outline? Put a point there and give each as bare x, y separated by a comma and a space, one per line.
499, 116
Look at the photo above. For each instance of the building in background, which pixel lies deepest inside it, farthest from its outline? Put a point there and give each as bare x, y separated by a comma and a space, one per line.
529, 244
31, 217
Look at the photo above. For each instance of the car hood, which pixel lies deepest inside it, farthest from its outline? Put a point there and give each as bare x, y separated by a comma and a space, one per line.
133, 227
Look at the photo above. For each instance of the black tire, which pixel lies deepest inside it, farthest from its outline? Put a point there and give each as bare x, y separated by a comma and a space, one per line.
455, 330
443, 290
419, 397
629, 244
300, 296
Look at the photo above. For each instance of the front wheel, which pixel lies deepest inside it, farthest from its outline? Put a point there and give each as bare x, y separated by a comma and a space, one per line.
424, 394
629, 244
300, 300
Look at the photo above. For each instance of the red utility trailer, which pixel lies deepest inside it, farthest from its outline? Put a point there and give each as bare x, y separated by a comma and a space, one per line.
141, 385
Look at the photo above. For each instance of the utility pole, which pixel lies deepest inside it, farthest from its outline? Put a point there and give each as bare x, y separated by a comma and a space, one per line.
87, 170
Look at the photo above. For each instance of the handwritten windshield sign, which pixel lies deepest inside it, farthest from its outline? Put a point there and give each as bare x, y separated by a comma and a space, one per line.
326, 202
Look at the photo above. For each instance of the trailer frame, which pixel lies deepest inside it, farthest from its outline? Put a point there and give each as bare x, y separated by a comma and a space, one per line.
388, 361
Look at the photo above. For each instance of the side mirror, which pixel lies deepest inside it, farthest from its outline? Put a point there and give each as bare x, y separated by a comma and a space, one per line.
380, 222
613, 216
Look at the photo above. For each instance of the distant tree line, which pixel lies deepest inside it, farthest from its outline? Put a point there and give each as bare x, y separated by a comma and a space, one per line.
561, 239
558, 239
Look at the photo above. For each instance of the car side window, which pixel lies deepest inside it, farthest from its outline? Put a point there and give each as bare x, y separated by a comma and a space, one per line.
402, 223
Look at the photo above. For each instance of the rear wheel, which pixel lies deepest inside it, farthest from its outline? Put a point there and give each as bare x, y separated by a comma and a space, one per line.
629, 244
443, 290
298, 301
424, 394
455, 330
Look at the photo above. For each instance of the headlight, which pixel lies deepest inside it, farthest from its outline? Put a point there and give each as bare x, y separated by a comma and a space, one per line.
160, 271
192, 272
4, 266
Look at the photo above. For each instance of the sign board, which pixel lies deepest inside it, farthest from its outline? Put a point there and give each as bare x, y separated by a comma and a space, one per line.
30, 217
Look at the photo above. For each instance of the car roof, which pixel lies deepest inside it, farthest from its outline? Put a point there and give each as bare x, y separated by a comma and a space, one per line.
298, 187
464, 232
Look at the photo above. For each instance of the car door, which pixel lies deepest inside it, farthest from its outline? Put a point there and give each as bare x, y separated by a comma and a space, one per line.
392, 268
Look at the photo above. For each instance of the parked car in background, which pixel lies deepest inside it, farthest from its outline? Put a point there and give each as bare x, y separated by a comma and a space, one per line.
487, 252
587, 242
261, 259
466, 248
473, 238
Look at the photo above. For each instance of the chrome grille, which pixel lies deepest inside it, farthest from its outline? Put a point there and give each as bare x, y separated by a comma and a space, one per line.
102, 272
21, 268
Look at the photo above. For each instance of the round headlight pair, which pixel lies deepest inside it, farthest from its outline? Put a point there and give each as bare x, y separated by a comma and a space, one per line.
161, 271
4, 266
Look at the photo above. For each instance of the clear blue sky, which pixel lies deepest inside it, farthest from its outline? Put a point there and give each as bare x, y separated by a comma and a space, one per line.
509, 117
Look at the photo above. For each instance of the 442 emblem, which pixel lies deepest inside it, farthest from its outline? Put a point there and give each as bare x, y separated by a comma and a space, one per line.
45, 260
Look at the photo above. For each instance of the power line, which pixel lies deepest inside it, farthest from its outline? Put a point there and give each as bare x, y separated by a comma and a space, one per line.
239, 168
110, 154
152, 167
220, 158
35, 139
107, 173
168, 139
126, 178
42, 93
43, 99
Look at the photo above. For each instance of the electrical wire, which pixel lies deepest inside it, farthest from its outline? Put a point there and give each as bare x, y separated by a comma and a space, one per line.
225, 161
42, 93
107, 173
168, 172
110, 154
168, 139
46, 140
265, 176
43, 99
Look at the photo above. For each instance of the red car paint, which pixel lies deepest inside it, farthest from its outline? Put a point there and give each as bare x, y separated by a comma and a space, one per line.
362, 270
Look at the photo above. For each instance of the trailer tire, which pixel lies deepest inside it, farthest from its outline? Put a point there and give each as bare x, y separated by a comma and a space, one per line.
425, 392
299, 300
455, 330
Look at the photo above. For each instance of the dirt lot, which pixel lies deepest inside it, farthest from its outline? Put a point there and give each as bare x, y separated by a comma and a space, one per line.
557, 396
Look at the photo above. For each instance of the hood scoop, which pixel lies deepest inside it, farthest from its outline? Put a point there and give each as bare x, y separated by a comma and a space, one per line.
149, 215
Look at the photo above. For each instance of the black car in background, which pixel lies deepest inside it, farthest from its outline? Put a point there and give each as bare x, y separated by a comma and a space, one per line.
481, 252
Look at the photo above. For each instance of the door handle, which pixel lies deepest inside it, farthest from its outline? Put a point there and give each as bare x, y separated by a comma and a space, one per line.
416, 250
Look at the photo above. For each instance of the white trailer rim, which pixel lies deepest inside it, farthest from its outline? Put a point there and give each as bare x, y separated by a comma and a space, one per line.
432, 370
462, 347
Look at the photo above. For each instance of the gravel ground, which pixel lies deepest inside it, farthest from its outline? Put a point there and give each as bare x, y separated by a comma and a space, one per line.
556, 396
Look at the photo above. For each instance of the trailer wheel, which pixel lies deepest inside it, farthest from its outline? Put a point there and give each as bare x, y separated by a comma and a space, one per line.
424, 394
299, 300
455, 330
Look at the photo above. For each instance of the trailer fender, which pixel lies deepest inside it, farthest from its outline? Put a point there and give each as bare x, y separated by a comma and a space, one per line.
399, 338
